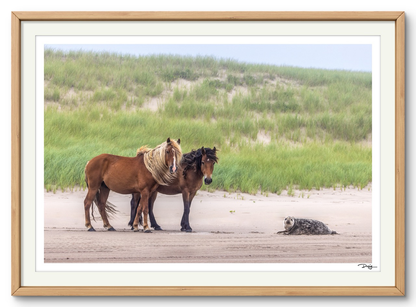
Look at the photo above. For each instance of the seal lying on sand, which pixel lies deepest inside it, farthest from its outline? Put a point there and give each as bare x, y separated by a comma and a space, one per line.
294, 226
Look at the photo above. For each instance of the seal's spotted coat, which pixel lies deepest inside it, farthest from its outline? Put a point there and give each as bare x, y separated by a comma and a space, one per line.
294, 226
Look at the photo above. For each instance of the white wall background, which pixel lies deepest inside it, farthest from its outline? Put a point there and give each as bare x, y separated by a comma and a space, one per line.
409, 6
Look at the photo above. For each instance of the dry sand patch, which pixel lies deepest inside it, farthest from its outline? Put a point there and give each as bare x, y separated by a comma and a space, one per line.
227, 228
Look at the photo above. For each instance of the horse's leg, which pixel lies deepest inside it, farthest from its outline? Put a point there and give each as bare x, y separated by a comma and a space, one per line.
185, 217
137, 215
153, 222
102, 200
183, 220
143, 207
183, 228
145, 200
191, 197
87, 205
134, 204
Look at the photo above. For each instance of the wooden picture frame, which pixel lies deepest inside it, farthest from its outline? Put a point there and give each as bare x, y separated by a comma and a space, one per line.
397, 290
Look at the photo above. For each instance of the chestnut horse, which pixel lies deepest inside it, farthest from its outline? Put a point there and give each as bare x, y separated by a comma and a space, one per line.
194, 166
125, 175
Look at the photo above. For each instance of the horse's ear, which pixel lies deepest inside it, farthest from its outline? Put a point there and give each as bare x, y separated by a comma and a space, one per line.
178, 141
168, 141
215, 149
203, 150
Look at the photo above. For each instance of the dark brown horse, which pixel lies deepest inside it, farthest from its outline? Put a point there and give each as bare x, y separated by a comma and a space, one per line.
195, 166
125, 175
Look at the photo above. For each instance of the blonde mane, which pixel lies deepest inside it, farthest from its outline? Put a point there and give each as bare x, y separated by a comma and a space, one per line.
154, 159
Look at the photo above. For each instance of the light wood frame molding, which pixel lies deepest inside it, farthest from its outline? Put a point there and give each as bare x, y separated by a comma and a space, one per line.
398, 290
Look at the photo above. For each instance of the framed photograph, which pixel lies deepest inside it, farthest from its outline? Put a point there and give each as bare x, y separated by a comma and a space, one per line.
208, 153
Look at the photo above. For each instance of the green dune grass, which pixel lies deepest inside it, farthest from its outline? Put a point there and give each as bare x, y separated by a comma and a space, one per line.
275, 126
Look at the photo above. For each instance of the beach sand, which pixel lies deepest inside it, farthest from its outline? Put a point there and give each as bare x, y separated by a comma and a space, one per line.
227, 228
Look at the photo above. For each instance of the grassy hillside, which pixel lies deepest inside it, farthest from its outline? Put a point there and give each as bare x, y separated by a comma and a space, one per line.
276, 127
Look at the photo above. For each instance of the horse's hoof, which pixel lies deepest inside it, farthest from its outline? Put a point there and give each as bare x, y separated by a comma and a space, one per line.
132, 228
147, 231
157, 228
91, 229
183, 229
189, 230
111, 229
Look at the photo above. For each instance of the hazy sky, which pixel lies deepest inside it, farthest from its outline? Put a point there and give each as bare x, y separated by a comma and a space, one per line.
355, 57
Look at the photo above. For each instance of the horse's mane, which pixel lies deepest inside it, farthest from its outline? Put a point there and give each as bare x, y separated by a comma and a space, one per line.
192, 160
154, 160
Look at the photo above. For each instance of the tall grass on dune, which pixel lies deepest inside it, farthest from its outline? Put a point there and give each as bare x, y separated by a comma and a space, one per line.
273, 168
89, 70
317, 123
73, 139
